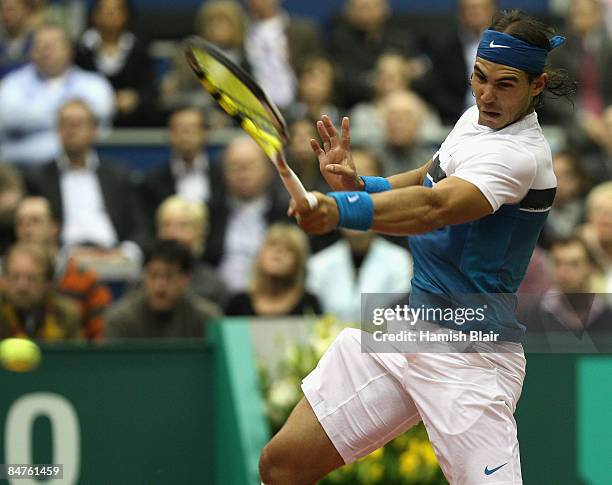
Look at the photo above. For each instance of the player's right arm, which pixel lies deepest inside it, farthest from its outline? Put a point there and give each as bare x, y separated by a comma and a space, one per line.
336, 164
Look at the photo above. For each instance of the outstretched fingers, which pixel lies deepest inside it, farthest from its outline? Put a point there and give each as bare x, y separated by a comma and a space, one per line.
314, 144
331, 130
324, 135
345, 134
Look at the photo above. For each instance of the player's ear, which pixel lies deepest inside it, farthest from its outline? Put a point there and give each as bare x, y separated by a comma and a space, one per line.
539, 84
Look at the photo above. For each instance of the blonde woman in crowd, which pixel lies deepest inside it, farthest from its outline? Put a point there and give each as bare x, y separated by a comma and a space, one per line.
277, 285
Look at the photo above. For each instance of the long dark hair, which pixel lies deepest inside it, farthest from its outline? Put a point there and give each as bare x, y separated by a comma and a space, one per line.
528, 29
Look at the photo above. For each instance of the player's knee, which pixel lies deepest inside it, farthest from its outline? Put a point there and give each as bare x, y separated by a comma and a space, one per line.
275, 467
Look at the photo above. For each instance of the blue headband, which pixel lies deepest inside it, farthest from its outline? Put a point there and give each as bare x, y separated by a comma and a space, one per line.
505, 49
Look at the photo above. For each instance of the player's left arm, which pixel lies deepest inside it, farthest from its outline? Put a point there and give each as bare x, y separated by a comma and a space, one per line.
409, 210
415, 210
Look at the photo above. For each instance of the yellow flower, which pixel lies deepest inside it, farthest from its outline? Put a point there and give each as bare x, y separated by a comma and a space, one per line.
376, 472
409, 463
376, 454
428, 455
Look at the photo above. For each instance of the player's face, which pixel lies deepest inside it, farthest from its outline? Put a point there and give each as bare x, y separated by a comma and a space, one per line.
164, 284
503, 93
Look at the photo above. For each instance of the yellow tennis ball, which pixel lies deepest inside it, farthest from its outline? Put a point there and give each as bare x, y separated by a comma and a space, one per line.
19, 354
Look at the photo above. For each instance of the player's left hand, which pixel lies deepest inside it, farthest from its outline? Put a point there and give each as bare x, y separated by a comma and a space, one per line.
322, 219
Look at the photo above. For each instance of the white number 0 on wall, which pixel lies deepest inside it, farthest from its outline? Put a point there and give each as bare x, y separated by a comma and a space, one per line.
65, 431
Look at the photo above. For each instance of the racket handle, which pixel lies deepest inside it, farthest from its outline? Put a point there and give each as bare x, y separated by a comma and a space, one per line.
295, 188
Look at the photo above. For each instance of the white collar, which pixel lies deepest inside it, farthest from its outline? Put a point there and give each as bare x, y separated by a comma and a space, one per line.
92, 162
179, 167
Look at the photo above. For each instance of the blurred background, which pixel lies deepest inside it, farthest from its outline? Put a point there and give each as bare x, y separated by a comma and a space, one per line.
145, 245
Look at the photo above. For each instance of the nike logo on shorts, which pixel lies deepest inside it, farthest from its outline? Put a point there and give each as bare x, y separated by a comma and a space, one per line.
493, 470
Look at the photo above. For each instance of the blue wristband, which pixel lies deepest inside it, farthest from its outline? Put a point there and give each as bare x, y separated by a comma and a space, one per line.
356, 209
375, 184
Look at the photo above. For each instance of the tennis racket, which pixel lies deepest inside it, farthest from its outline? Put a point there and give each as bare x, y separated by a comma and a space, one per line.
244, 100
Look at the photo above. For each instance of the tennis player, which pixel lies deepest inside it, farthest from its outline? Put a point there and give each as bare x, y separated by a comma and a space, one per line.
474, 213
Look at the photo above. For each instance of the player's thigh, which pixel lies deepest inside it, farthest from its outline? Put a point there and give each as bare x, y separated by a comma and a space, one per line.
358, 397
467, 403
355, 403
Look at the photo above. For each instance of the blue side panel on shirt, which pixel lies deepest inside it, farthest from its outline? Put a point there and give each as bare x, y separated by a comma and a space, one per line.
486, 258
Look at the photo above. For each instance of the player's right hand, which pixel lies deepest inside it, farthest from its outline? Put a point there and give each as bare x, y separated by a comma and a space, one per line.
335, 160
320, 220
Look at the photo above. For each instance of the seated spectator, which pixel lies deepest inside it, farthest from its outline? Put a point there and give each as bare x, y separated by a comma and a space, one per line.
277, 46
572, 305
587, 57
405, 116
29, 306
360, 262
35, 223
189, 172
277, 284
16, 42
364, 32
186, 221
567, 212
31, 96
110, 48
453, 52
162, 308
95, 201
596, 154
240, 217
316, 90
597, 232
11, 192
391, 74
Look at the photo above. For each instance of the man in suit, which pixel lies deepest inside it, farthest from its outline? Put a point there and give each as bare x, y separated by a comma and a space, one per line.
189, 173
95, 202
239, 218
452, 51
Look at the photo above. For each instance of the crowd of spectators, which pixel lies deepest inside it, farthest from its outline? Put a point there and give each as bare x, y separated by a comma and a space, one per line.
207, 231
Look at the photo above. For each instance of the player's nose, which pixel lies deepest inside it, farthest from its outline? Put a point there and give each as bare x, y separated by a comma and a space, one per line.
487, 94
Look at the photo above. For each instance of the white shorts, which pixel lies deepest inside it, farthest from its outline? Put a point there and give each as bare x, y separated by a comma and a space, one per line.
466, 401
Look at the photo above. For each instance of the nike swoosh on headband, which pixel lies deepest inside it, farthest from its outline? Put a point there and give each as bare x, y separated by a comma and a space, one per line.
493, 45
